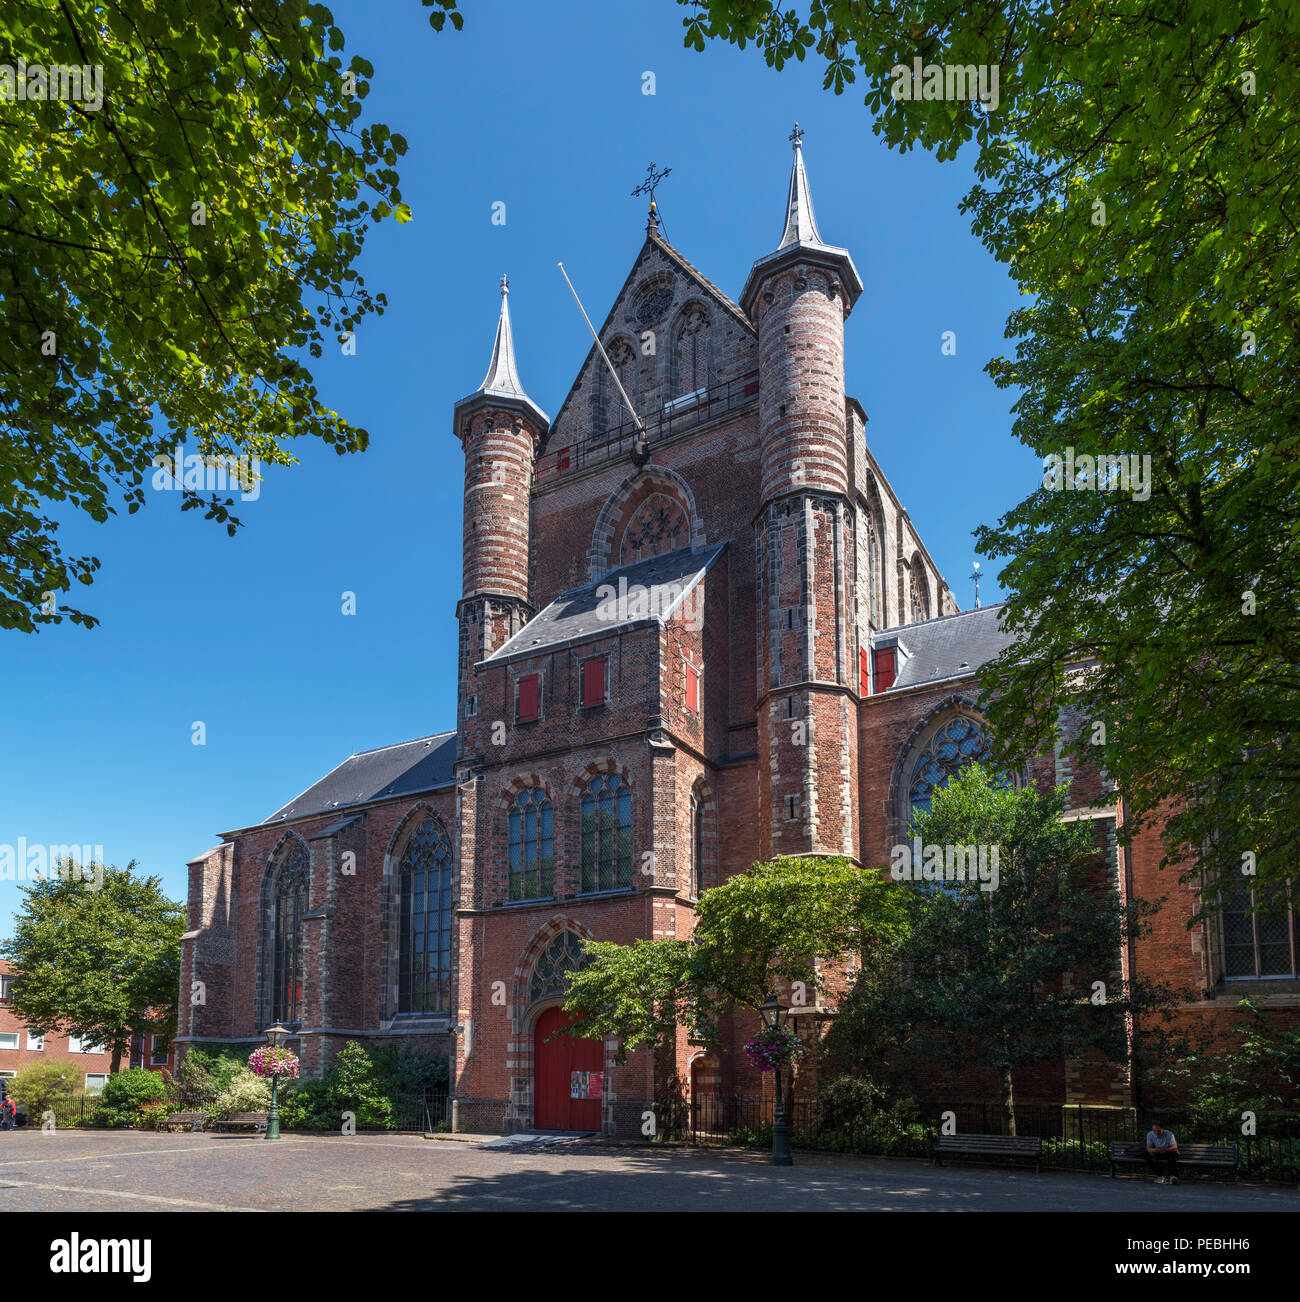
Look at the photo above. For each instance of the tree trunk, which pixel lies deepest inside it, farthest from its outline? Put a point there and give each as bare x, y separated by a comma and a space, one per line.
1008, 1103
116, 1060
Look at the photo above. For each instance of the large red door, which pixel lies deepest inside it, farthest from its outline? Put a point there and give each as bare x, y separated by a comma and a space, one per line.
562, 1068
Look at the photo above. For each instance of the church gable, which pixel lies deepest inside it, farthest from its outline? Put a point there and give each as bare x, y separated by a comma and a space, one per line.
671, 336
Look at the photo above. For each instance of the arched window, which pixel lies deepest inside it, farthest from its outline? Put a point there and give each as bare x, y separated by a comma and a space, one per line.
532, 847
563, 956
289, 903
873, 570
623, 357
691, 355
918, 593
424, 947
658, 526
697, 843
960, 741
606, 834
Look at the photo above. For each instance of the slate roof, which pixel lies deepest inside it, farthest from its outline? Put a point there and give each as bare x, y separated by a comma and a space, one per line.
400, 770
582, 613
950, 646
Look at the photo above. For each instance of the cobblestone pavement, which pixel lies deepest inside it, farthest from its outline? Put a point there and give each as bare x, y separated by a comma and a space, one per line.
124, 1170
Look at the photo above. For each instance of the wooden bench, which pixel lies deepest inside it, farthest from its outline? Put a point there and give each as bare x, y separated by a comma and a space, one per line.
1223, 1157
243, 1119
990, 1146
195, 1120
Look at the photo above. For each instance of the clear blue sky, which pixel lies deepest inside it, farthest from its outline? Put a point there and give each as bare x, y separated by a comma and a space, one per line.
538, 106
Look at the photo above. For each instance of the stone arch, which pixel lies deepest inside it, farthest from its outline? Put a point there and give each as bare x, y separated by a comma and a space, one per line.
621, 506
390, 901
275, 862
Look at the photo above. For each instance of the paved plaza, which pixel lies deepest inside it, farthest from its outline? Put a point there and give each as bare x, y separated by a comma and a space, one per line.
84, 1171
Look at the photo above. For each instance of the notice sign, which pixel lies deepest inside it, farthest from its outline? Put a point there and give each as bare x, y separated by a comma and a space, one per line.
586, 1084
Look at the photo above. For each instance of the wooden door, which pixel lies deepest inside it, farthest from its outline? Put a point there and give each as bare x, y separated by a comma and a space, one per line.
562, 1068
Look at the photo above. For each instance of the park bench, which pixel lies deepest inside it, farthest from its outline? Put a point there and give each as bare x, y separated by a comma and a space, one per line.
990, 1146
195, 1120
1223, 1157
243, 1120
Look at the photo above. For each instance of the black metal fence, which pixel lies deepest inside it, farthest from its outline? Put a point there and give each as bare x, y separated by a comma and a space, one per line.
1075, 1136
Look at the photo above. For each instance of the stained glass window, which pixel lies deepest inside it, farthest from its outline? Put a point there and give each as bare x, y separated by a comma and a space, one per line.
532, 847
959, 742
551, 971
289, 960
1259, 941
424, 947
606, 834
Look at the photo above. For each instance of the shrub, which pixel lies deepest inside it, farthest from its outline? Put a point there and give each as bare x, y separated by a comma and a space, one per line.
153, 1116
44, 1086
852, 1115
309, 1105
220, 1063
409, 1071
126, 1095
355, 1087
245, 1093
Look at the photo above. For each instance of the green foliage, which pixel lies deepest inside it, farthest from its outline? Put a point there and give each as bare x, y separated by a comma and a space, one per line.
1004, 978
102, 962
355, 1086
756, 929
409, 1071
45, 1085
854, 1115
244, 1093
308, 1105
1180, 120
126, 1096
133, 317
209, 1069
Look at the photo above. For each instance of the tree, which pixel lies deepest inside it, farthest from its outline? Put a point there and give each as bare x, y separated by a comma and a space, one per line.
174, 243
100, 963
1134, 176
758, 928
45, 1086
1027, 971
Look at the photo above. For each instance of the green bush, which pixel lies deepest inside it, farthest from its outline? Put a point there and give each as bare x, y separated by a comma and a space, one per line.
45, 1086
309, 1105
245, 1093
409, 1071
126, 1095
853, 1116
212, 1067
355, 1087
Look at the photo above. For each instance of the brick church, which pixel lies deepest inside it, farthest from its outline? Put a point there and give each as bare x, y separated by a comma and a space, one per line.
688, 642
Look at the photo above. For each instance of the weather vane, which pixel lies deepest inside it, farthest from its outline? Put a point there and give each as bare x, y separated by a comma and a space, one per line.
976, 577
796, 136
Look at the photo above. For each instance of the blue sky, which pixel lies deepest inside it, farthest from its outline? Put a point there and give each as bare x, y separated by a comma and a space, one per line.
539, 107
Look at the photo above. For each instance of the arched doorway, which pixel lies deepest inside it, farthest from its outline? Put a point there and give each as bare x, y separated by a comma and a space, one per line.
568, 1079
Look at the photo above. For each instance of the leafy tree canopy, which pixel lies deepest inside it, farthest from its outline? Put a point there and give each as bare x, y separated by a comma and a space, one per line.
1135, 176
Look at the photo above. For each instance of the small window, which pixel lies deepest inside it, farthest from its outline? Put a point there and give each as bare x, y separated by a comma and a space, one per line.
471, 706
864, 672
885, 668
159, 1055
7, 1075
80, 1044
35, 1040
95, 1081
593, 681
791, 808
8, 1039
527, 697
5, 983
692, 688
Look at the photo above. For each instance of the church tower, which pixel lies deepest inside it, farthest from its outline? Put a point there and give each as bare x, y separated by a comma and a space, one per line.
499, 427
798, 296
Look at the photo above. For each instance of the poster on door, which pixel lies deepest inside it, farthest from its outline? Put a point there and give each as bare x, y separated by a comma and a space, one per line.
586, 1084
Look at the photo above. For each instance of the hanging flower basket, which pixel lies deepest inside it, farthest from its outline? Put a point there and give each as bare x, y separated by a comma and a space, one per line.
775, 1047
273, 1062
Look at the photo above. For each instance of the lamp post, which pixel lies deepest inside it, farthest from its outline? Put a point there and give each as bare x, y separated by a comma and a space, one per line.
274, 1038
774, 1015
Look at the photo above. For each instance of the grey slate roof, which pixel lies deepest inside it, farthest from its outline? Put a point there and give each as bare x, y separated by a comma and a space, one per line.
400, 770
947, 647
584, 612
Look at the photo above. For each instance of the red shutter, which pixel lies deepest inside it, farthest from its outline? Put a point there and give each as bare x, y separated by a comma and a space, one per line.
593, 681
527, 710
692, 688
885, 671
864, 672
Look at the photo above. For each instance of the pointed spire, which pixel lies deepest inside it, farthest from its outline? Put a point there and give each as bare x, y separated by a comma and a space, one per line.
502, 379
801, 241
800, 223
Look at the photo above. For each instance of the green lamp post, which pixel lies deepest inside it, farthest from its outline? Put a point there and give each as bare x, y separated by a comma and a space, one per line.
275, 1036
774, 1014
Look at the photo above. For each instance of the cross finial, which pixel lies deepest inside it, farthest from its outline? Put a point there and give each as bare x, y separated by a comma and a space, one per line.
796, 136
652, 179
505, 286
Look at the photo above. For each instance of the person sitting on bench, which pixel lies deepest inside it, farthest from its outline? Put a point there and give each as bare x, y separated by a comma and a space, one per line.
1162, 1151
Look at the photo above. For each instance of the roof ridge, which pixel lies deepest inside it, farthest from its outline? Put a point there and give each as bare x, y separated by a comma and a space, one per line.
374, 750
936, 619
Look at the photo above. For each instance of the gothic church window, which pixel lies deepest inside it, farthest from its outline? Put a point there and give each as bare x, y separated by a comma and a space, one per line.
658, 526
623, 357
697, 843
532, 846
691, 352
288, 970
1260, 933
959, 742
424, 950
563, 956
606, 834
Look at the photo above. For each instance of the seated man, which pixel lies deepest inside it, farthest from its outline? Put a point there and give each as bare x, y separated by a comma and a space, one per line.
1162, 1150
